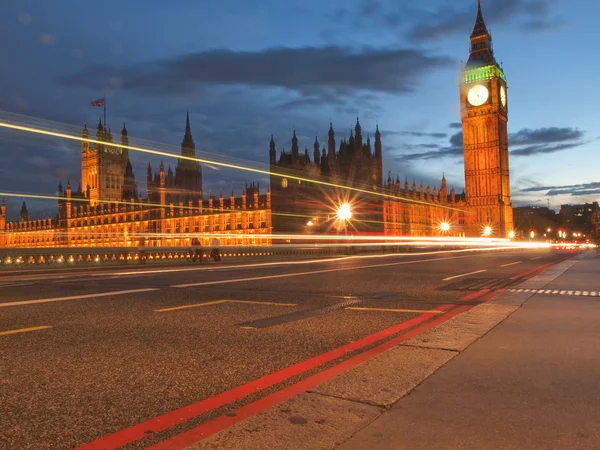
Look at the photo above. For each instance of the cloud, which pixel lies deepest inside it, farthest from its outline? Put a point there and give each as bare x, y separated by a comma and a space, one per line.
438, 20
310, 70
526, 142
571, 189
528, 136
544, 140
455, 125
419, 134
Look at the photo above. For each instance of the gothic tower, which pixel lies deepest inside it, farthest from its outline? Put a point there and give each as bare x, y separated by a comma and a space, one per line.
188, 173
484, 112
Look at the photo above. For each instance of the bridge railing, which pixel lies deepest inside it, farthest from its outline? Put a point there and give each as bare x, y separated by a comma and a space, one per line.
20, 257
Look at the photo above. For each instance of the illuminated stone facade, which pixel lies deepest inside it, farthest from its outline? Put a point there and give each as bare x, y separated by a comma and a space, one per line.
421, 212
173, 213
484, 111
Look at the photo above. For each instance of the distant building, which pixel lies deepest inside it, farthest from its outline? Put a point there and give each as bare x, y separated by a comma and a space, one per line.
388, 208
578, 217
111, 212
535, 218
353, 175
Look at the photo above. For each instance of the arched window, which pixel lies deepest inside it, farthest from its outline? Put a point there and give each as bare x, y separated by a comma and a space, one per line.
284, 183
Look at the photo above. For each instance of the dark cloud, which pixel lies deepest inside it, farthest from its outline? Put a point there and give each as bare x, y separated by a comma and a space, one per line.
455, 125
419, 134
310, 70
545, 140
545, 135
447, 18
451, 152
572, 189
526, 142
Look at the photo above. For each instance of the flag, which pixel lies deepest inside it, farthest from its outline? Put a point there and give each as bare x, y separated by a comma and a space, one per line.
99, 102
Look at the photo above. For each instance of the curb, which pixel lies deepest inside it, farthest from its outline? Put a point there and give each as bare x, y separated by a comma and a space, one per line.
327, 415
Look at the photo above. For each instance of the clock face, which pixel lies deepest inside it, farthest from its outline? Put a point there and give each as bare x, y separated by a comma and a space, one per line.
478, 95
503, 95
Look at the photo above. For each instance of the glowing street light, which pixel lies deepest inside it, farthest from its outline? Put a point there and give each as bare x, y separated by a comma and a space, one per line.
309, 223
344, 212
445, 226
511, 235
532, 234
487, 231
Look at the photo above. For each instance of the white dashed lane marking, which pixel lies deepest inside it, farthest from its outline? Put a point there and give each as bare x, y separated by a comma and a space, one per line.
557, 292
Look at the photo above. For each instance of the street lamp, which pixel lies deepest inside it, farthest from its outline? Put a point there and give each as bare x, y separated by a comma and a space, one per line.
445, 226
511, 235
344, 212
487, 231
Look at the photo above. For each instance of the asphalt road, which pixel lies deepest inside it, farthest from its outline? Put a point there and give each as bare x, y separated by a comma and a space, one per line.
127, 345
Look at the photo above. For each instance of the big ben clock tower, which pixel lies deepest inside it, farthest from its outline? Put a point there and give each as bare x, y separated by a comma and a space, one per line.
484, 112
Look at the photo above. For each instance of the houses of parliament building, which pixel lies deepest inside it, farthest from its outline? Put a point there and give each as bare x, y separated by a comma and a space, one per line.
305, 193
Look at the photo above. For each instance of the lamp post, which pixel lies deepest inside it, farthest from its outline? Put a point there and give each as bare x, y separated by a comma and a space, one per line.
344, 214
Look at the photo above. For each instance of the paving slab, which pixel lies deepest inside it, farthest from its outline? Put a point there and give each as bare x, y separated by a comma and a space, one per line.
308, 421
531, 383
383, 380
461, 331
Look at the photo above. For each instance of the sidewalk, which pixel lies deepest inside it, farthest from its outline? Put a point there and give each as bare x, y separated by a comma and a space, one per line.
532, 382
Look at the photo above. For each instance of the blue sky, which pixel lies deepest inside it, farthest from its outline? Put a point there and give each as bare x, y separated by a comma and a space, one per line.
249, 69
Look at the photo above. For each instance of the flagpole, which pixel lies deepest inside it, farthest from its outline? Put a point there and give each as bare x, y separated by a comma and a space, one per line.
104, 98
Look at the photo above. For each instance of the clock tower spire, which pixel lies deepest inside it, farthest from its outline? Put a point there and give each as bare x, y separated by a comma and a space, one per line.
484, 113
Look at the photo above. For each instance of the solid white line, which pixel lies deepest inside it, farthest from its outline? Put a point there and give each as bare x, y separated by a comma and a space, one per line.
77, 297
463, 275
512, 264
292, 263
538, 257
312, 272
16, 284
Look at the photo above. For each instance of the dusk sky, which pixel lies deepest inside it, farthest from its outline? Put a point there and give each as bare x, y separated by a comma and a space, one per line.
248, 69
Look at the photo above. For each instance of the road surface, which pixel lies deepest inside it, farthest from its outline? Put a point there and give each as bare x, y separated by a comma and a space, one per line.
85, 356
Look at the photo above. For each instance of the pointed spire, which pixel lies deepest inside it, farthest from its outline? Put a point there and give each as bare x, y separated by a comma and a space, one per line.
480, 29
188, 128
124, 130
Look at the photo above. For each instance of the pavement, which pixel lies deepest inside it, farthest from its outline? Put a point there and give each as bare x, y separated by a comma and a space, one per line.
156, 357
530, 383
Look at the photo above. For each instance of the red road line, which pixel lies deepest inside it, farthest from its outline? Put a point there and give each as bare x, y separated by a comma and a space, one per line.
203, 431
474, 295
186, 413
537, 270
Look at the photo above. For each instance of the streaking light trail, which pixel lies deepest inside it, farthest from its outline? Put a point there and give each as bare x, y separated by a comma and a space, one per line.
34, 130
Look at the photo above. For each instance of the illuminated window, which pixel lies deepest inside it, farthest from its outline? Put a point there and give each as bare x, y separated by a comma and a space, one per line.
284, 183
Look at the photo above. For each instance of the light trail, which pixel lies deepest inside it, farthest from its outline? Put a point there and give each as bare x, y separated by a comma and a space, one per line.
40, 131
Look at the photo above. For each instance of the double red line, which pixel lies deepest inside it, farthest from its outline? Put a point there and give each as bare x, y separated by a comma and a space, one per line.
415, 326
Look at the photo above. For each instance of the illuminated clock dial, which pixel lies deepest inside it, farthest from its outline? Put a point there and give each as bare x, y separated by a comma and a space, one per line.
478, 95
503, 95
